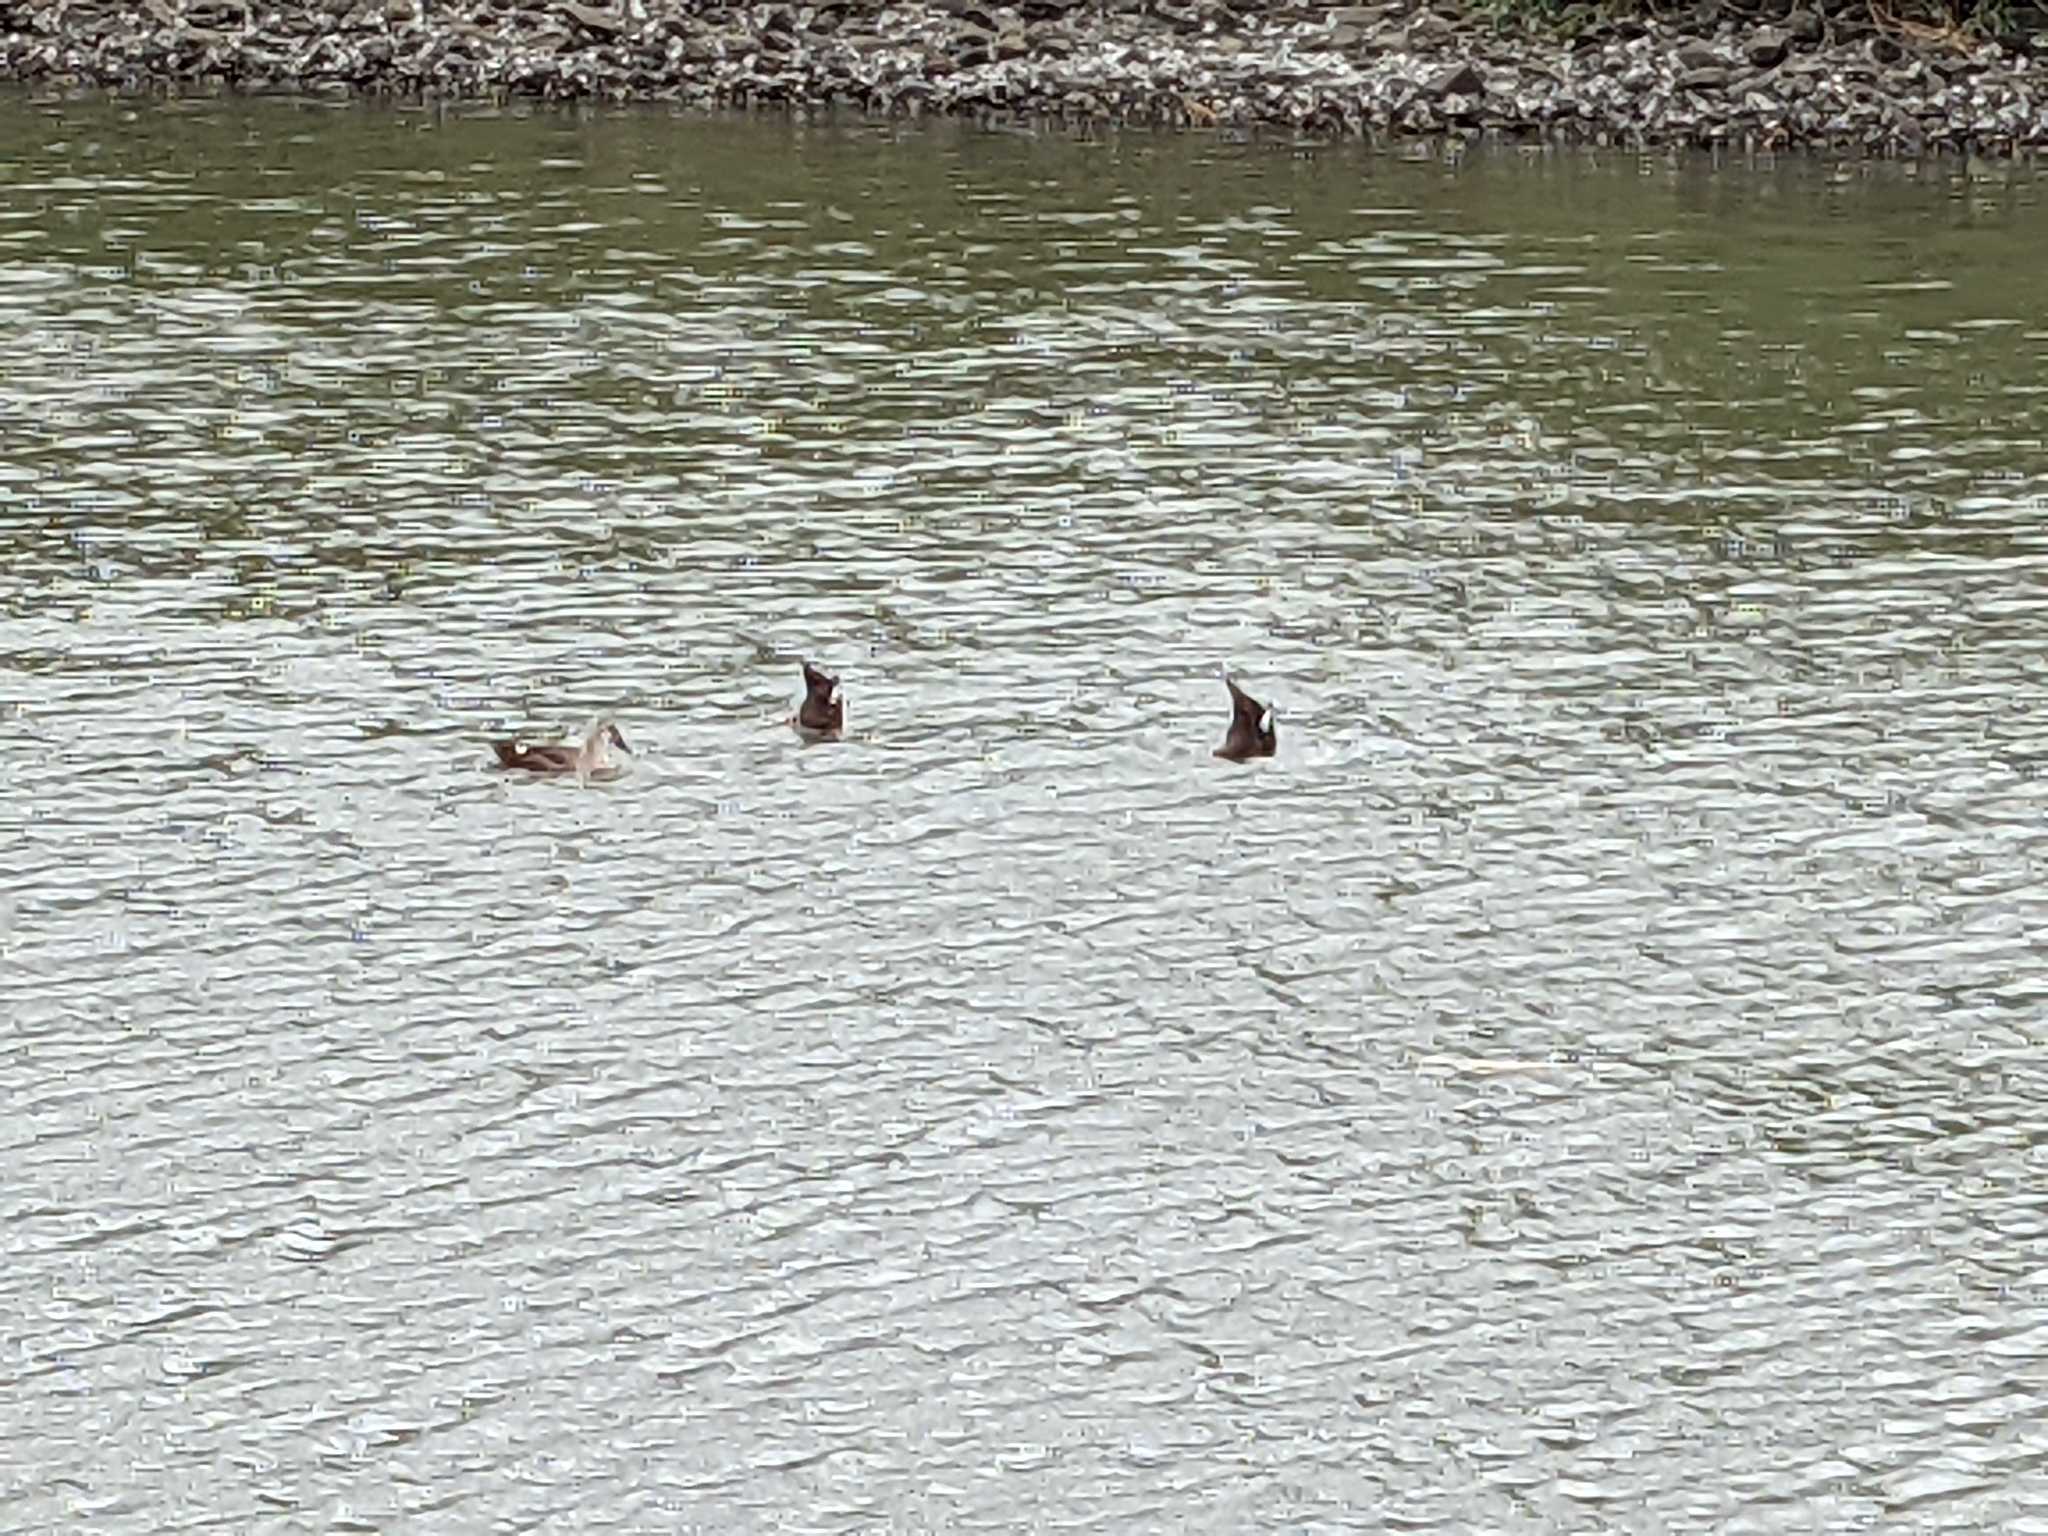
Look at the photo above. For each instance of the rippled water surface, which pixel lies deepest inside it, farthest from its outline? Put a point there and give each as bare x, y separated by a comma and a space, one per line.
1587, 1081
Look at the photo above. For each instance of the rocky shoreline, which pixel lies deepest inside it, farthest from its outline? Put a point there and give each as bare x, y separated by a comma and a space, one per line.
1769, 74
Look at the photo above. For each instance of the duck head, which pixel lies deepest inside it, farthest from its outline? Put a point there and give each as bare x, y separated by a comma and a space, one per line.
595, 760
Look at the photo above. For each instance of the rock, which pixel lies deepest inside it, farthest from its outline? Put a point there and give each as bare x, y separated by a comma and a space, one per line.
1427, 27
1459, 80
1743, 72
1768, 47
594, 18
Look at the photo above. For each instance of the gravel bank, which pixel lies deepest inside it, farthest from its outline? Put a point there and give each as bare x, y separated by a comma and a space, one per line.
1773, 75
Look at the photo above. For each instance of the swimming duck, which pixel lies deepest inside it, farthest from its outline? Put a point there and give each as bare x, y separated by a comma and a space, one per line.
592, 760
1251, 733
822, 715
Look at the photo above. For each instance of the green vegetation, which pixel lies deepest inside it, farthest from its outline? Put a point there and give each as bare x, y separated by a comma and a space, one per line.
1927, 21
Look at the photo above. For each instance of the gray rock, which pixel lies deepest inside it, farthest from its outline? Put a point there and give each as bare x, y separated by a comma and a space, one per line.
1743, 72
1460, 79
594, 18
1428, 27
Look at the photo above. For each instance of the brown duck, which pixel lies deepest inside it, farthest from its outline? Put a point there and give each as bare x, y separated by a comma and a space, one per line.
592, 760
1252, 733
822, 715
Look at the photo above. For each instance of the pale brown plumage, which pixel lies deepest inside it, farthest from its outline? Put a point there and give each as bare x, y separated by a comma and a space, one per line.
591, 758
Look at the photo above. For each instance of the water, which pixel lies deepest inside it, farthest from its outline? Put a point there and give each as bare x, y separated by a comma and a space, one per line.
1586, 1082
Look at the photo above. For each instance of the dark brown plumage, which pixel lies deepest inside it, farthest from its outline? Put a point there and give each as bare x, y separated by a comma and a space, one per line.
822, 715
1252, 732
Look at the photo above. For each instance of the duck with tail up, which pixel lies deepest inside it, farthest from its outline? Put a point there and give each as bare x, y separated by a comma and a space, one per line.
822, 715
1252, 732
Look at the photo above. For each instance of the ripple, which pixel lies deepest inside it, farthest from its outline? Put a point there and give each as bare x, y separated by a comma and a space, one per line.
1587, 1076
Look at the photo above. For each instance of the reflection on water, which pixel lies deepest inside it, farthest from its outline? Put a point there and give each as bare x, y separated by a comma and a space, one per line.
1586, 1080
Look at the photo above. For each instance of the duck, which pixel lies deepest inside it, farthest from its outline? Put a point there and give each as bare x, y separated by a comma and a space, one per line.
592, 760
822, 715
1252, 732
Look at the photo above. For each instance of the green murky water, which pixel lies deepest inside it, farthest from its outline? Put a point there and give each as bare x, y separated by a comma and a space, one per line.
1586, 1081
